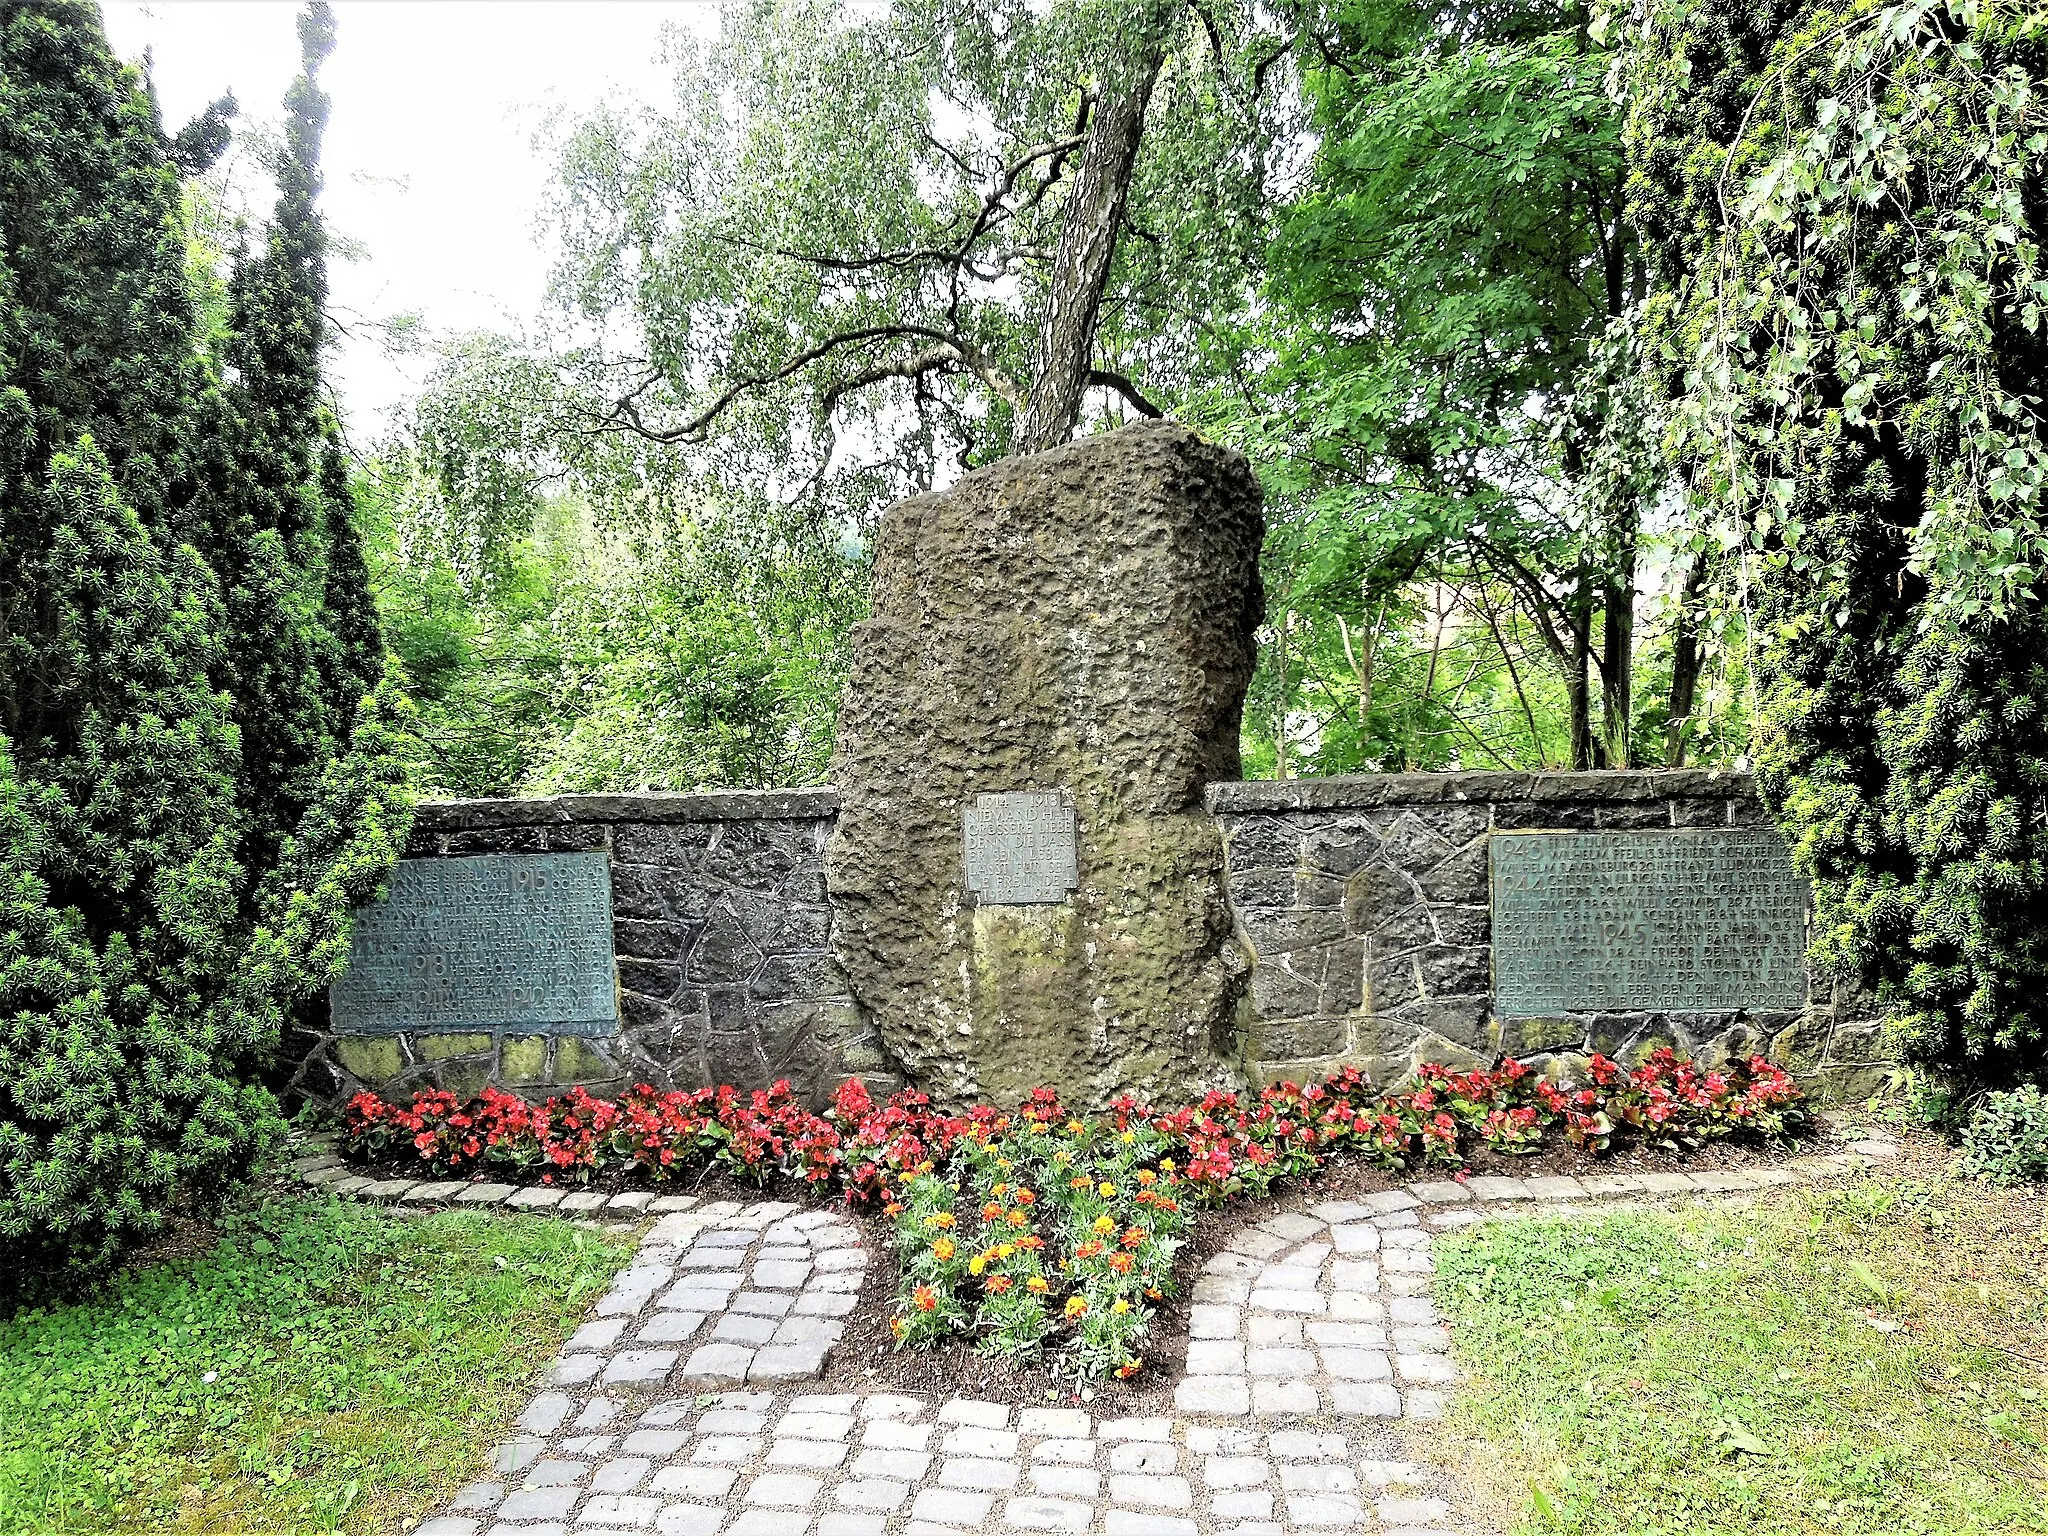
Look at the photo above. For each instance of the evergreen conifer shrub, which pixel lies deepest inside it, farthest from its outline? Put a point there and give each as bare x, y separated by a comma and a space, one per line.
1842, 206
200, 756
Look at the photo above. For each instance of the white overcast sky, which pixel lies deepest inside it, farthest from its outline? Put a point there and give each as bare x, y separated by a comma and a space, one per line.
430, 160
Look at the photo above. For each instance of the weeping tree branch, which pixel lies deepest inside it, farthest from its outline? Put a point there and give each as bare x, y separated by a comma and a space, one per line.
624, 414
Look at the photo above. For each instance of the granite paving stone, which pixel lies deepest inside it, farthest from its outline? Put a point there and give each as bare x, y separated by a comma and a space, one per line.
1312, 1342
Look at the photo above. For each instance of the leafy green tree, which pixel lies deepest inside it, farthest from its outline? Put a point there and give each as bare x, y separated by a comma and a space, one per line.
1843, 208
1438, 409
155, 932
863, 249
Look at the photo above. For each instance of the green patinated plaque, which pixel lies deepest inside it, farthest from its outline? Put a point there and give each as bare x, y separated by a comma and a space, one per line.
1700, 922
503, 942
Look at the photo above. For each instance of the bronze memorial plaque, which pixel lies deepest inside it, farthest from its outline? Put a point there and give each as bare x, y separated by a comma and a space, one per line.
1678, 921
1021, 848
504, 941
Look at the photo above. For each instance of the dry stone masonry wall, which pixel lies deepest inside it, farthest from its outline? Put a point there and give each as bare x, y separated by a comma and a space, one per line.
1361, 905
1364, 902
721, 929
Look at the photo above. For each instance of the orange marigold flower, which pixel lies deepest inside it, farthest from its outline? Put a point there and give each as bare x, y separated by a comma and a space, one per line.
1018, 1219
892, 1209
997, 1284
1025, 1197
1146, 1176
1087, 1250
1134, 1237
897, 1326
1122, 1263
925, 1299
991, 1212
1079, 1181
939, 1219
1031, 1244
943, 1249
1130, 1368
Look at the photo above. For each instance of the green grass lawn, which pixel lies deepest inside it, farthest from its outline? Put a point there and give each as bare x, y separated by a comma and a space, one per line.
1851, 1361
324, 1367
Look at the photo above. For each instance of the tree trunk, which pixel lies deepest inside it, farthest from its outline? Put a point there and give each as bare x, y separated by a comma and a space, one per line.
1088, 231
1685, 666
1280, 707
1617, 667
1576, 699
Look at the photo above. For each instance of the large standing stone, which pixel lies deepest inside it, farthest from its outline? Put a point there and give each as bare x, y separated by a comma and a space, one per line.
1082, 621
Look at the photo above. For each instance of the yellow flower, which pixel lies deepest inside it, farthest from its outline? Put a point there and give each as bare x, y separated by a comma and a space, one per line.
1107, 1190
1166, 1163
1062, 1157
1073, 1127
943, 1249
1129, 1137
1004, 1250
939, 1219
1036, 1283
1104, 1225
1120, 1306
1076, 1307
977, 1264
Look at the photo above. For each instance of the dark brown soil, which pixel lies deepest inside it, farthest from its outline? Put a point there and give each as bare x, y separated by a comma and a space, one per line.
868, 1361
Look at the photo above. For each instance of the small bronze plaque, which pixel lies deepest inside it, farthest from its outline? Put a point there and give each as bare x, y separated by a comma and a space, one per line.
1672, 921
1021, 848
515, 942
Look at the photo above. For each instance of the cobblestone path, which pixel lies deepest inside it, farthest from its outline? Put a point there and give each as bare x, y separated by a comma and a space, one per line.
681, 1406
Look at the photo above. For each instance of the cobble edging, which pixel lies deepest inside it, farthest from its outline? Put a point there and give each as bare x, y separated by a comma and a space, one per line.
1314, 1345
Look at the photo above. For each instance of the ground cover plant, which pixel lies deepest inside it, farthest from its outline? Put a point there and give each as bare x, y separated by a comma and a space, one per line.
1856, 1360
1052, 1232
325, 1367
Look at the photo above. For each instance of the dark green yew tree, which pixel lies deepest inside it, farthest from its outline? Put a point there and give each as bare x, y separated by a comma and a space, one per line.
198, 759
1844, 205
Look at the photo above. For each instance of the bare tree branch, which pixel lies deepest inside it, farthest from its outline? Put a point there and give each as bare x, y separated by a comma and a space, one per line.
624, 414
1109, 379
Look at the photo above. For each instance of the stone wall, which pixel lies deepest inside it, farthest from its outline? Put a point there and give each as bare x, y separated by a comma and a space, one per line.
1364, 902
721, 929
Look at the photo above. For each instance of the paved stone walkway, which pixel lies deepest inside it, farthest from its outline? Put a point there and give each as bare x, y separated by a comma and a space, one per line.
681, 1408
719, 1296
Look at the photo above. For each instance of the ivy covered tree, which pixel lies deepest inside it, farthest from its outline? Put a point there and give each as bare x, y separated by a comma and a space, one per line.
1843, 204
167, 896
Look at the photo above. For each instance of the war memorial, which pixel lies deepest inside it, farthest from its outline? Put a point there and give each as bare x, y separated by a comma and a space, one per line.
1037, 864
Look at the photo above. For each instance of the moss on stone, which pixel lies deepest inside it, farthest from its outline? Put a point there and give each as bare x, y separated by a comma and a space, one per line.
370, 1060
577, 1061
523, 1059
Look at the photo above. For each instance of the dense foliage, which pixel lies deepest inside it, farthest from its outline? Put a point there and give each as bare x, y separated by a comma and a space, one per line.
198, 772
1046, 1231
2006, 1139
1843, 204
779, 307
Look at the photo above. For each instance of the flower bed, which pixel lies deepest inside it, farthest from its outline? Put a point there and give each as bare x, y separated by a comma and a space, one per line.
1048, 1233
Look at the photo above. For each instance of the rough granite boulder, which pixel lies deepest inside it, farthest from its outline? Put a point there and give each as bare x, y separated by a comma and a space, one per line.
1081, 621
